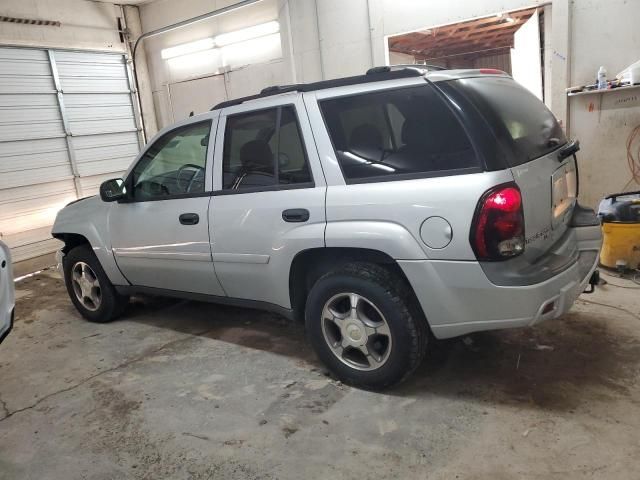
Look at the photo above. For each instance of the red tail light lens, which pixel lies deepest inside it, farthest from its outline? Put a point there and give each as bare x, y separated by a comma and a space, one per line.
497, 232
491, 71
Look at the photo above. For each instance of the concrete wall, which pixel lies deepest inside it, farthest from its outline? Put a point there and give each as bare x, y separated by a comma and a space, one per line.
85, 24
247, 72
603, 33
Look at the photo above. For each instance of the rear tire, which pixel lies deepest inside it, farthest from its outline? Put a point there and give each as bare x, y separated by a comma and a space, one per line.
89, 288
378, 342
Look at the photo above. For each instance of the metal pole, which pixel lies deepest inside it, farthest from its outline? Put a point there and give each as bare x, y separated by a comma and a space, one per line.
191, 21
319, 41
132, 82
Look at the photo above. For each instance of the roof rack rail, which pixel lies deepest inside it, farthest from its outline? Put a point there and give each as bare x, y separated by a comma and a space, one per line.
377, 74
276, 89
395, 68
422, 66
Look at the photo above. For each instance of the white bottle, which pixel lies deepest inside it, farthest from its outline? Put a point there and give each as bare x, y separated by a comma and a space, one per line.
602, 78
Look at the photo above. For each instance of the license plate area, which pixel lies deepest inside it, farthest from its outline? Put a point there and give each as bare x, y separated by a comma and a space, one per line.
564, 189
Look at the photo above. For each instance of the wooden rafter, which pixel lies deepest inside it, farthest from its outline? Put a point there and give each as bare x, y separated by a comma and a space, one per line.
473, 35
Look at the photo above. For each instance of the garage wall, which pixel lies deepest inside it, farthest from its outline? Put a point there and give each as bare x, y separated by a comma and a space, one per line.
603, 122
249, 68
66, 114
84, 24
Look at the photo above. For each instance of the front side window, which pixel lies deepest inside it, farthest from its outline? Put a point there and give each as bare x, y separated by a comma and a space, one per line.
389, 133
174, 164
264, 149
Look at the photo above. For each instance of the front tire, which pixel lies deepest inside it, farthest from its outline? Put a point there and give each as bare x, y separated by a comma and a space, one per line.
89, 288
363, 322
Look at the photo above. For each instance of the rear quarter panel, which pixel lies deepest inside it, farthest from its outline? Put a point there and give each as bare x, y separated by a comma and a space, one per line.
385, 215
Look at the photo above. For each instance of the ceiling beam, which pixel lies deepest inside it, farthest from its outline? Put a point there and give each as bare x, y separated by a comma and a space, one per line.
478, 34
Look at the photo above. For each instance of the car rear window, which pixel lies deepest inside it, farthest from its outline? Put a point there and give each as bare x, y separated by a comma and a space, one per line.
391, 134
515, 114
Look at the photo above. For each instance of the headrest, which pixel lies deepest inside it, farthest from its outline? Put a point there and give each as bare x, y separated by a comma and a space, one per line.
256, 154
412, 132
367, 136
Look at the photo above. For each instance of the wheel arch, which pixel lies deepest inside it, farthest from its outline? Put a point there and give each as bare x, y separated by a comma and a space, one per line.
71, 240
103, 252
309, 265
87, 220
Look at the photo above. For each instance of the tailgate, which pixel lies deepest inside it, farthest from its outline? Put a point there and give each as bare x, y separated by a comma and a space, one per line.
531, 138
549, 190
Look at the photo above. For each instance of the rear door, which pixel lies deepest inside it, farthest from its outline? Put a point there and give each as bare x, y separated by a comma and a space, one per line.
6, 291
269, 202
533, 139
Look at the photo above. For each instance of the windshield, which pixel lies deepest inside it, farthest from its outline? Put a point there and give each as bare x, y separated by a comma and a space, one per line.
517, 114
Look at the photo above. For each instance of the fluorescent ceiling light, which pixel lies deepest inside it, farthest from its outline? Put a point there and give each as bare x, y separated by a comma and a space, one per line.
247, 33
186, 48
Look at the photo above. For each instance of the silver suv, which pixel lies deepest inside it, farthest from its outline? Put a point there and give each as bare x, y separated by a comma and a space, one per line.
384, 209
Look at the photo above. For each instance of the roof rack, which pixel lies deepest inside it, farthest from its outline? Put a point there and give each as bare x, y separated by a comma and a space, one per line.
422, 66
376, 74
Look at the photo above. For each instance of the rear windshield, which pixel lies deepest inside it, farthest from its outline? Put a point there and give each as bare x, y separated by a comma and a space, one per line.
394, 134
517, 114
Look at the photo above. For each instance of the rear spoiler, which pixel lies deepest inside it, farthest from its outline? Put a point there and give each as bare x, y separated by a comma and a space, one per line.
569, 149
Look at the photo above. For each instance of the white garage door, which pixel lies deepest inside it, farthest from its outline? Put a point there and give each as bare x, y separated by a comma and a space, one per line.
67, 123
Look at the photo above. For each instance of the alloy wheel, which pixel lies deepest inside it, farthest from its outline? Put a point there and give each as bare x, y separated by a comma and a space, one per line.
356, 331
86, 286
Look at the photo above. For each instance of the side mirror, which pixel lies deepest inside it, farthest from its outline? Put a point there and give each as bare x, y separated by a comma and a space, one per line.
113, 190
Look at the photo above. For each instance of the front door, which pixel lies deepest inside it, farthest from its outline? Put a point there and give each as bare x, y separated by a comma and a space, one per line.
269, 198
160, 234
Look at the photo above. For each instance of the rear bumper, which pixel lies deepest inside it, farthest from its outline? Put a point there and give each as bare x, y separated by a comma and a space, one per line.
458, 298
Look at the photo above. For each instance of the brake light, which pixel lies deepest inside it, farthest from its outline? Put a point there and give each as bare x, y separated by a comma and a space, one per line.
491, 71
497, 231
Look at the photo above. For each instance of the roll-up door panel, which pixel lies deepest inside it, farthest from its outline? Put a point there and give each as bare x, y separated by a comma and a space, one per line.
51, 152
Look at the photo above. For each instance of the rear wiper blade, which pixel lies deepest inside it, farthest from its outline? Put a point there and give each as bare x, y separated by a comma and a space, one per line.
569, 149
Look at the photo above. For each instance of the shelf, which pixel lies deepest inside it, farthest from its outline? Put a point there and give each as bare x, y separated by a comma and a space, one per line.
608, 90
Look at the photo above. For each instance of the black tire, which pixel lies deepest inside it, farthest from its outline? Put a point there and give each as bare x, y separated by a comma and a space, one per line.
111, 304
394, 299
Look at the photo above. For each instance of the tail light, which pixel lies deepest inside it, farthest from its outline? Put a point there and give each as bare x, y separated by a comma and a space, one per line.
497, 231
491, 71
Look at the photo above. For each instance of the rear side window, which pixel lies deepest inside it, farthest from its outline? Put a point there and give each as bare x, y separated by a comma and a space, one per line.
391, 134
264, 149
517, 115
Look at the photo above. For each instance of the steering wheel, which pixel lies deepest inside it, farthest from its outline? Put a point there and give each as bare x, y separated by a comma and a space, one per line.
196, 170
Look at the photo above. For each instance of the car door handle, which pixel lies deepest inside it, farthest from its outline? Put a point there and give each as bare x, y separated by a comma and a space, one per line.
295, 215
189, 218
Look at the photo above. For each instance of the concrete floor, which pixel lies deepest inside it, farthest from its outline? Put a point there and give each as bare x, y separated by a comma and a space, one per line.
188, 390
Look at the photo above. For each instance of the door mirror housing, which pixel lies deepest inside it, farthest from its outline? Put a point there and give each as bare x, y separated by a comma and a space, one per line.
113, 190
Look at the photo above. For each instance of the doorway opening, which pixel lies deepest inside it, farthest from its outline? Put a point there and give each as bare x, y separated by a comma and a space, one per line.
511, 41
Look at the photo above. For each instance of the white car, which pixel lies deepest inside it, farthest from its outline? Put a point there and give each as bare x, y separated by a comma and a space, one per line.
7, 294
